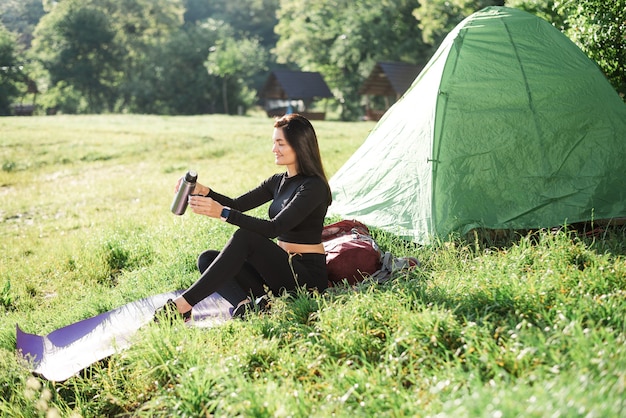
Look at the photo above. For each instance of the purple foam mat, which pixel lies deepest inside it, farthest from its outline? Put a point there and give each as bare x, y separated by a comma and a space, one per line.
66, 351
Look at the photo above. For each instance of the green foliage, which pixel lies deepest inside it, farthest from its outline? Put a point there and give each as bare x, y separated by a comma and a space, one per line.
344, 39
149, 56
142, 56
75, 44
10, 72
21, 17
98, 47
236, 61
438, 17
599, 28
8, 166
249, 18
64, 98
523, 344
544, 9
119, 254
176, 65
6, 298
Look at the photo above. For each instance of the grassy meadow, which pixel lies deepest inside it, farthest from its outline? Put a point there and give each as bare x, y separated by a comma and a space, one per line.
531, 327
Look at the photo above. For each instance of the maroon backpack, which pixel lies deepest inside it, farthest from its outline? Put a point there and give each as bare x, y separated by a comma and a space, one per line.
351, 252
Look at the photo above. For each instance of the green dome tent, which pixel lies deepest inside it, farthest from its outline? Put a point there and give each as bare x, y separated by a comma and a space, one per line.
509, 126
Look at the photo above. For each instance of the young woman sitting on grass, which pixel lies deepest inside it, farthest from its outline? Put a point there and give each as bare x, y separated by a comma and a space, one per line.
252, 261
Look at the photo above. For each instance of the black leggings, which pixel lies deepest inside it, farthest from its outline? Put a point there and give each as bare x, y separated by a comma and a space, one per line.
250, 263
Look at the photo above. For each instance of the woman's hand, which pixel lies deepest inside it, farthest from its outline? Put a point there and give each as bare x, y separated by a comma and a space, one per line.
205, 206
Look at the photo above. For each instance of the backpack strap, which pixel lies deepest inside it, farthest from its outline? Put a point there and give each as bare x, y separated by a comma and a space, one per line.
392, 265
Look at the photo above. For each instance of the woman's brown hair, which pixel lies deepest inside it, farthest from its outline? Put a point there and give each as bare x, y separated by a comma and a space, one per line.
301, 136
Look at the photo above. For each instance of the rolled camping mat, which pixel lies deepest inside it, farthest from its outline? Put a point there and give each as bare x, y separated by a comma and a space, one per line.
66, 351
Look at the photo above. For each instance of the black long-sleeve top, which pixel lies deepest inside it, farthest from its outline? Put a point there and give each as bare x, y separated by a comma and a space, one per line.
296, 214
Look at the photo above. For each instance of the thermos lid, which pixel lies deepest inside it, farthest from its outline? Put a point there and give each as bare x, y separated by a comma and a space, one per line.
191, 176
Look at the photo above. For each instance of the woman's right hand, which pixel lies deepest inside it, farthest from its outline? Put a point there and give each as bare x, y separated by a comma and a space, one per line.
202, 205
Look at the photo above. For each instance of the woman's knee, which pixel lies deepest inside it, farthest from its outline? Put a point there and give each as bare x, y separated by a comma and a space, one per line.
205, 259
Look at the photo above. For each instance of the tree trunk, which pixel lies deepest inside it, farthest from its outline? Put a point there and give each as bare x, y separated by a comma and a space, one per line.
225, 95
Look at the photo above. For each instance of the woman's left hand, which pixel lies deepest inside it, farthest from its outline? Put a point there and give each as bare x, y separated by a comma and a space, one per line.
202, 205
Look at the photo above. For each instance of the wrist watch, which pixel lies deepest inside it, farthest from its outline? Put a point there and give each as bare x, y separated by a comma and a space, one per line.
225, 213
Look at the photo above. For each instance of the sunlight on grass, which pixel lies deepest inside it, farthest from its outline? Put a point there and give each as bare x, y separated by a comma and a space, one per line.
531, 327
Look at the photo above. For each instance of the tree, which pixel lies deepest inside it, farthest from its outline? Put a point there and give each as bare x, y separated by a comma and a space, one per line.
544, 9
343, 39
235, 61
102, 48
247, 18
10, 72
21, 17
142, 30
174, 79
75, 44
438, 17
598, 27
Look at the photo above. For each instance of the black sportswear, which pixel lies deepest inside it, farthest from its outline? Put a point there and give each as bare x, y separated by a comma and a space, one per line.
297, 212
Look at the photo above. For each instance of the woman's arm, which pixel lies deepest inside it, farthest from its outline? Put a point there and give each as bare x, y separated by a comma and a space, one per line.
213, 202
261, 194
307, 198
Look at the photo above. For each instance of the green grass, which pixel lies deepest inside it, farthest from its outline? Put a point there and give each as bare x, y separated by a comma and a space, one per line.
532, 327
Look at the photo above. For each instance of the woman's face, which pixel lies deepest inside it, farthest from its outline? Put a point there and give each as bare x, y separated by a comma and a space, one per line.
283, 153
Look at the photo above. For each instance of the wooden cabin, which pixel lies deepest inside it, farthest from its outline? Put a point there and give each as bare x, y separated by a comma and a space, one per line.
389, 80
288, 91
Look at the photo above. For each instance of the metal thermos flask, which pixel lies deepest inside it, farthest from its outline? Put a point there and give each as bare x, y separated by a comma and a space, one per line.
188, 183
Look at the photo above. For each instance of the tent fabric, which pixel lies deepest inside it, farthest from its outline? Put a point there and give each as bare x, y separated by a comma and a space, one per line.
509, 126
